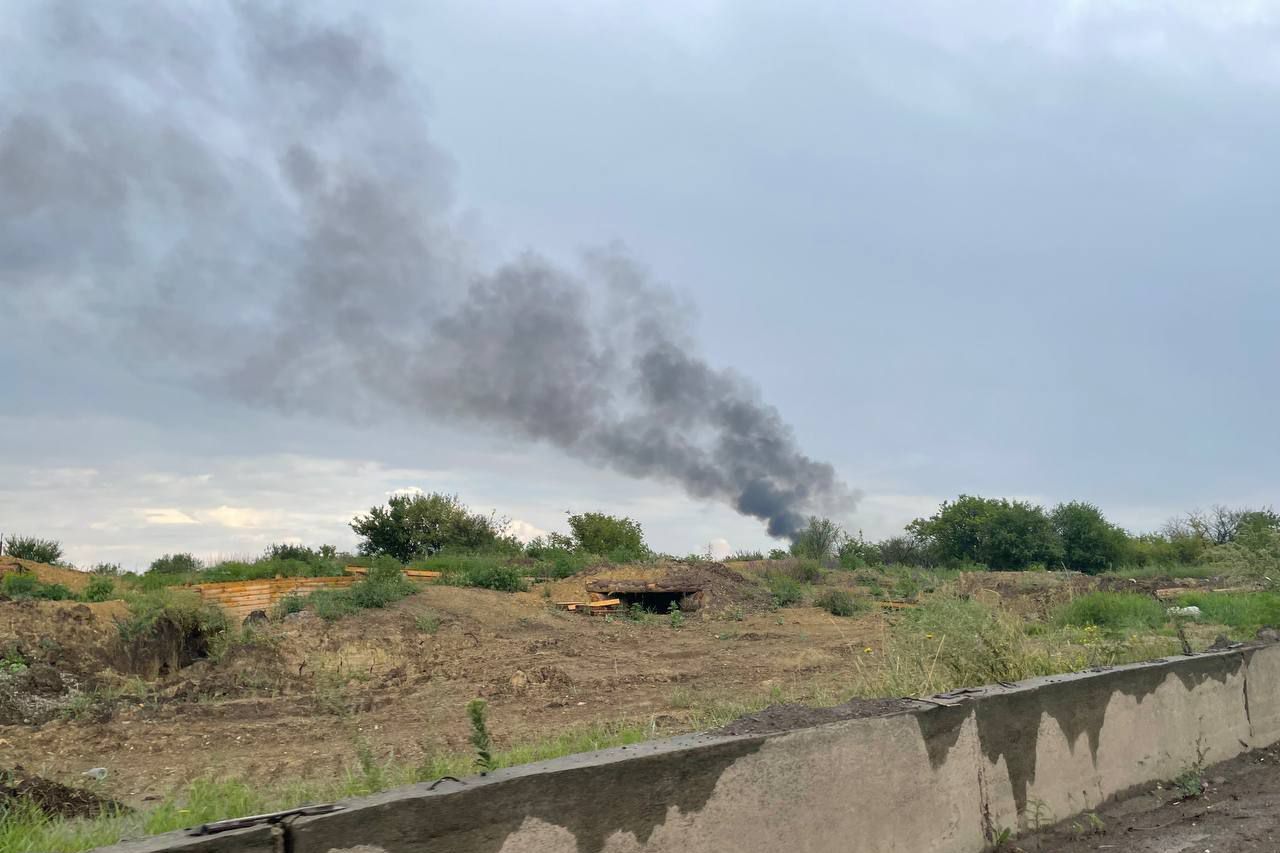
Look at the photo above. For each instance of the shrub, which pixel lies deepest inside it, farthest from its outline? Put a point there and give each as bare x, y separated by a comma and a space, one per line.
619, 538
803, 571
995, 532
292, 603
746, 556
778, 554
483, 572
175, 564
414, 526
31, 548
110, 570
904, 551
1113, 611
838, 602
23, 585
785, 590
100, 588
184, 609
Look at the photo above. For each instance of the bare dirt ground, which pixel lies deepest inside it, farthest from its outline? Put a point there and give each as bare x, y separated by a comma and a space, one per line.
1239, 812
305, 695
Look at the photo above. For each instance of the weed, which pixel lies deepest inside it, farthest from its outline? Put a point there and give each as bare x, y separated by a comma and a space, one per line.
785, 590
23, 585
838, 602
675, 616
427, 623
480, 740
291, 603
1245, 612
100, 588
682, 698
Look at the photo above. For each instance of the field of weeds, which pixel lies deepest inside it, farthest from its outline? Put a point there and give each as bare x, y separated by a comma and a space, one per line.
195, 718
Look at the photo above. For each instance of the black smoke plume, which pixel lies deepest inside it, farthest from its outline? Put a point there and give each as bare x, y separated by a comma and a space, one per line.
177, 176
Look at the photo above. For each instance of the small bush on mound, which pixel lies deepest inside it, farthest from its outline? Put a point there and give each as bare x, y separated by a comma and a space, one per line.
1113, 611
785, 591
31, 548
486, 575
292, 603
99, 589
385, 584
21, 585
838, 602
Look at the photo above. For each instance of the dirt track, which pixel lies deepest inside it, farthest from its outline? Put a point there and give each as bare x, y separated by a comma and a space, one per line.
1238, 813
300, 701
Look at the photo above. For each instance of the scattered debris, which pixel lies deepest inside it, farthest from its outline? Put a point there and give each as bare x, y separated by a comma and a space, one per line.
53, 798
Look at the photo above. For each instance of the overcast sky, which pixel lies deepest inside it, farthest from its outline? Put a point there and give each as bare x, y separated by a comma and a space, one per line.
996, 248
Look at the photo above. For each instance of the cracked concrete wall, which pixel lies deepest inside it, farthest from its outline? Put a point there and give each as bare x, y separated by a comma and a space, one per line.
942, 779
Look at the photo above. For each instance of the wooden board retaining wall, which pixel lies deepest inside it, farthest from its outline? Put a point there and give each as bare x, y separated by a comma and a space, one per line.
240, 598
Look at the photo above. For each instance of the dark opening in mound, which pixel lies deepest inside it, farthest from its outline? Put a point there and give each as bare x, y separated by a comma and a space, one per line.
656, 602
161, 650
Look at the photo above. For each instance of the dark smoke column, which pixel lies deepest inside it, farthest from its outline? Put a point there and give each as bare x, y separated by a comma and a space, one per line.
181, 176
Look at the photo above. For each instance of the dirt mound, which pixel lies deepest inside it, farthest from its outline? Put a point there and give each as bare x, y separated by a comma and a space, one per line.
72, 579
782, 718
54, 799
711, 588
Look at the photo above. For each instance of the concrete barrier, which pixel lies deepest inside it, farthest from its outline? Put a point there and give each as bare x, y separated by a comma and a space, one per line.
944, 777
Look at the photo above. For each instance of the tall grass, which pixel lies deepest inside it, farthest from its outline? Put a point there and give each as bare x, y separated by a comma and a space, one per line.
1155, 571
1114, 611
1245, 612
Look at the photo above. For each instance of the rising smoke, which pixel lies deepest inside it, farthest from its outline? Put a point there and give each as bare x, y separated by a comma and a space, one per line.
178, 177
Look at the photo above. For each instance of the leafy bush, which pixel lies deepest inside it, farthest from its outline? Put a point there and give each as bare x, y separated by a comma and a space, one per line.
819, 540
746, 556
110, 570
175, 564
778, 554
904, 551
1113, 611
839, 602
619, 538
182, 608
803, 571
785, 590
487, 575
100, 588
1002, 534
414, 526
31, 548
384, 584
23, 585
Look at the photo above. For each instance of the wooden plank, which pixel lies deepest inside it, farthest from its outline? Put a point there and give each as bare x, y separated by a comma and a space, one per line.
608, 602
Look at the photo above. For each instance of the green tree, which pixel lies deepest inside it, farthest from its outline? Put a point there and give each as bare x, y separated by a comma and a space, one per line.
821, 539
413, 526
31, 548
998, 533
1090, 543
616, 537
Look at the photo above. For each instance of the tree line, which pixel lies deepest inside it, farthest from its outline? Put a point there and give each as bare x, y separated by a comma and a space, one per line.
1010, 535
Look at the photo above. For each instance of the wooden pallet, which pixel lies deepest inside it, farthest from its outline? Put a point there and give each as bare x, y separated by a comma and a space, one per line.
416, 574
595, 608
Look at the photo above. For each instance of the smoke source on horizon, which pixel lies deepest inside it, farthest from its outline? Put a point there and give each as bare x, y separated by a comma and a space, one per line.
176, 177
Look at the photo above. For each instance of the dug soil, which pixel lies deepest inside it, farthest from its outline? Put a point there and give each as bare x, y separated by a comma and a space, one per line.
1239, 812
305, 697
17, 786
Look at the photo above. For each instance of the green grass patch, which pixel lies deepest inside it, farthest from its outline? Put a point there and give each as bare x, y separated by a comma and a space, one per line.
786, 591
385, 584
23, 829
1245, 612
1114, 611
23, 585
